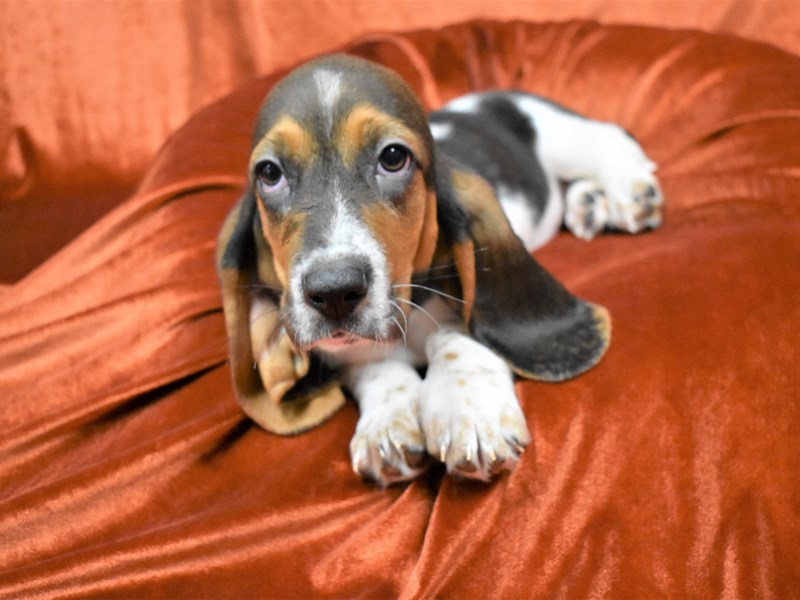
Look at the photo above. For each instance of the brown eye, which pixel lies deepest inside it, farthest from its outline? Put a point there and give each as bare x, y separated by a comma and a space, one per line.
394, 159
270, 176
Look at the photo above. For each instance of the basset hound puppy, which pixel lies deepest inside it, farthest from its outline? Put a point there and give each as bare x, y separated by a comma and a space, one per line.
372, 244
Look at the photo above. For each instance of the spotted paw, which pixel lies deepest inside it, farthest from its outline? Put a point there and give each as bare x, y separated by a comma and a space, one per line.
469, 410
388, 445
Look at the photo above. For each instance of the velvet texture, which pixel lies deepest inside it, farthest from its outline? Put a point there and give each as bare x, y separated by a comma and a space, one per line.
670, 469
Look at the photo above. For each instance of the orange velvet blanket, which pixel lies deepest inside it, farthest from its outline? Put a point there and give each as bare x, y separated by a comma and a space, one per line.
671, 469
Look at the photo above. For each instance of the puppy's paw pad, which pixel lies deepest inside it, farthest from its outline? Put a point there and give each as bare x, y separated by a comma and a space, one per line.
649, 201
586, 211
637, 208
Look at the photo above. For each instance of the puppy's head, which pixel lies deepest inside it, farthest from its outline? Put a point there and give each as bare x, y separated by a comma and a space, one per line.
346, 202
340, 171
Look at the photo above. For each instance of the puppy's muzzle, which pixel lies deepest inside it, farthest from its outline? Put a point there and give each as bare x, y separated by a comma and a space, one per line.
337, 290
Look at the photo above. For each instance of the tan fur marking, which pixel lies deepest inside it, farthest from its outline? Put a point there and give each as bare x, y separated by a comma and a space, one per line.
487, 217
284, 237
429, 235
602, 321
286, 138
226, 232
464, 257
398, 228
236, 304
367, 124
488, 221
266, 264
262, 330
281, 366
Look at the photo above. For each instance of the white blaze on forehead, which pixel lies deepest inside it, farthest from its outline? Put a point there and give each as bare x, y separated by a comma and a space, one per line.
329, 86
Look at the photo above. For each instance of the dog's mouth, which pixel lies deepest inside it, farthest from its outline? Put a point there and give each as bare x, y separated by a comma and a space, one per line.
341, 339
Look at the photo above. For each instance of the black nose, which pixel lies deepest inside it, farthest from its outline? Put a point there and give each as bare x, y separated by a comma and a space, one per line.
336, 290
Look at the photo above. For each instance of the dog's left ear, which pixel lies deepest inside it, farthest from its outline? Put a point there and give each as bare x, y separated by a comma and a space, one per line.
281, 389
511, 304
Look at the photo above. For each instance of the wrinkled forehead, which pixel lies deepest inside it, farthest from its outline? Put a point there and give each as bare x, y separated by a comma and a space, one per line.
342, 101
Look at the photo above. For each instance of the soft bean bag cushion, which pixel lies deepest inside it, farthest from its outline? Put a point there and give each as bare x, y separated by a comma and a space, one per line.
128, 469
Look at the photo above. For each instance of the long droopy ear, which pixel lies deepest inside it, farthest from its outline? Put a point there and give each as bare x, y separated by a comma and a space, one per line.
283, 390
511, 304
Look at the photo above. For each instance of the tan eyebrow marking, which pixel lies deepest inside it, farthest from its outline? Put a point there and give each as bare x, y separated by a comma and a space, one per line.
286, 138
366, 124
385, 221
284, 236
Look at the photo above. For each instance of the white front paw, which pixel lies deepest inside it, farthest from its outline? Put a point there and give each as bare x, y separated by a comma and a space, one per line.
469, 410
388, 444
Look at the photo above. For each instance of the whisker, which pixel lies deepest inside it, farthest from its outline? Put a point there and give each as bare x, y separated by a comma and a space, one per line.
402, 332
418, 307
260, 286
453, 264
402, 329
429, 289
444, 277
436, 278
264, 314
400, 309
449, 265
255, 286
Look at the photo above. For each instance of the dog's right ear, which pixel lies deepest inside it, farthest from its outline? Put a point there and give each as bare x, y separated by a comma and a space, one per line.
283, 390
